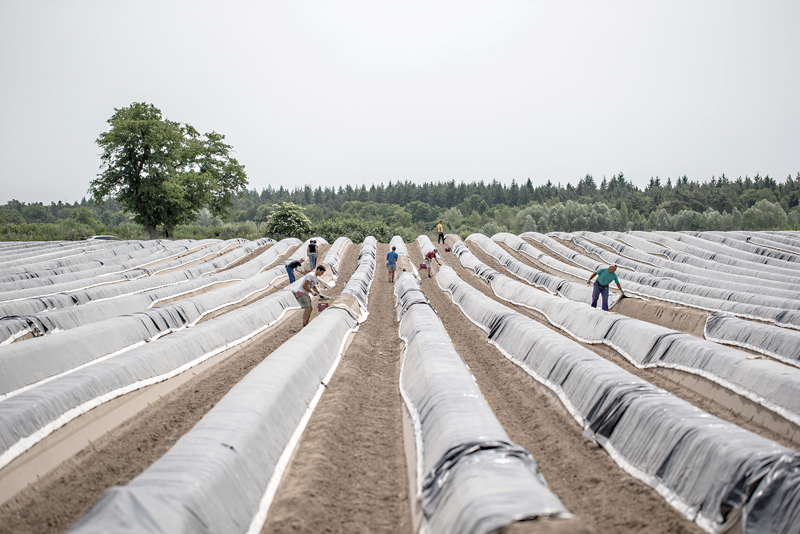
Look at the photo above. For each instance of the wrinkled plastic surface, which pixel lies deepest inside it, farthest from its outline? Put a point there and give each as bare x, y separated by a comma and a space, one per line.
781, 317
646, 345
473, 479
703, 466
553, 284
23, 364
221, 476
780, 343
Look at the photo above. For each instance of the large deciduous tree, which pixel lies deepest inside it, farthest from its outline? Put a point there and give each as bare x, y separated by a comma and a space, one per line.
165, 172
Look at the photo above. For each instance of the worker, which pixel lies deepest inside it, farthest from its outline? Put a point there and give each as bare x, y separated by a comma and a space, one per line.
307, 287
440, 230
429, 257
604, 279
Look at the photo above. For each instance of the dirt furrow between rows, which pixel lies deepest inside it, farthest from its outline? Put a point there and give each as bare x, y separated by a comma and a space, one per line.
61, 497
348, 473
654, 376
578, 471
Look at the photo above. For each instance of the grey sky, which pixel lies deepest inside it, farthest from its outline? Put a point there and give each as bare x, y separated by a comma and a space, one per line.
337, 92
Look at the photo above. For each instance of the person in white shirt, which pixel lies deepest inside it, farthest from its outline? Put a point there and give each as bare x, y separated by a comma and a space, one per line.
308, 286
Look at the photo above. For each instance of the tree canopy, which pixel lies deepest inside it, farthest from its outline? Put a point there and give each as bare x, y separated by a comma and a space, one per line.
165, 172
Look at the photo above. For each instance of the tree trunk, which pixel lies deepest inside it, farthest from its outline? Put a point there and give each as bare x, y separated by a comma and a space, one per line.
169, 232
152, 231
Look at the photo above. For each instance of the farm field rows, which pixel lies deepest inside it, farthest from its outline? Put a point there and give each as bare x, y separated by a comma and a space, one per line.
168, 385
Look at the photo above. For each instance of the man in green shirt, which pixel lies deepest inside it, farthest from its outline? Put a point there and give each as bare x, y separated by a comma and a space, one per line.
604, 279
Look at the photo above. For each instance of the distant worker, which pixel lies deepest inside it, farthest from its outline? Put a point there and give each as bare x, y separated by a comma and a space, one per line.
604, 279
391, 263
430, 256
291, 268
312, 253
304, 293
440, 229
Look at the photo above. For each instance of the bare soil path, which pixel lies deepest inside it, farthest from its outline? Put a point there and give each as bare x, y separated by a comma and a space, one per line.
59, 499
348, 473
583, 476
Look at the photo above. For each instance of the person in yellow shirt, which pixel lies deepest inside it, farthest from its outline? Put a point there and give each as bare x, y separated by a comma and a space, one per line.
440, 229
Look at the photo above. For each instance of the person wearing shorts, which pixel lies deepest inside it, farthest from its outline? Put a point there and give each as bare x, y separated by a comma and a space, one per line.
604, 279
312, 253
307, 286
391, 263
429, 257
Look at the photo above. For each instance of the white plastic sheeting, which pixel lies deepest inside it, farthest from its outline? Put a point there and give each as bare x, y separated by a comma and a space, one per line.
698, 258
472, 478
138, 259
552, 284
766, 339
765, 382
398, 242
717, 253
32, 305
87, 283
781, 317
222, 475
35, 360
643, 262
705, 467
749, 248
663, 279
779, 343
333, 257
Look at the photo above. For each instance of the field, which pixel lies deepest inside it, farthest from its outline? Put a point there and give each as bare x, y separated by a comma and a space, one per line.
169, 386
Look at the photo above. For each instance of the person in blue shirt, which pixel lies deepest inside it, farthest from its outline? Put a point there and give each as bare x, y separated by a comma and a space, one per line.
391, 263
604, 279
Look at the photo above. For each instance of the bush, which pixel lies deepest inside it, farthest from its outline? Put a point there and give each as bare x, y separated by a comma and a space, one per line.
356, 229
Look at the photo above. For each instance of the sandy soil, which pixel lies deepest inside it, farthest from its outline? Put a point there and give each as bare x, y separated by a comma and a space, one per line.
651, 375
583, 476
58, 500
348, 473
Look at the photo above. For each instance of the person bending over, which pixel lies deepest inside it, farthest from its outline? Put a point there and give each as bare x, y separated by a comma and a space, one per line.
307, 287
291, 268
429, 257
604, 279
391, 263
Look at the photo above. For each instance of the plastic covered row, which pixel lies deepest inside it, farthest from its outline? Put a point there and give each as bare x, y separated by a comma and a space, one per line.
67, 255
31, 415
708, 469
780, 317
471, 477
764, 240
552, 284
749, 247
223, 474
67, 298
654, 277
769, 340
644, 262
404, 262
85, 283
715, 252
765, 382
140, 258
698, 258
38, 359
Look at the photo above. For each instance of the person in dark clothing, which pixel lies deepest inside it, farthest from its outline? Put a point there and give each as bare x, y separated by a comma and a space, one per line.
290, 269
312, 253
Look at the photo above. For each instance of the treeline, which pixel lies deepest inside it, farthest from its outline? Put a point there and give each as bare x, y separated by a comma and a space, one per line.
405, 208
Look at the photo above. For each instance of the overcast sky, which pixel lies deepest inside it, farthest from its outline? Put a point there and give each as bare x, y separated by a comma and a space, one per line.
360, 92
